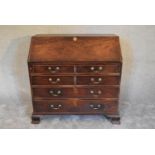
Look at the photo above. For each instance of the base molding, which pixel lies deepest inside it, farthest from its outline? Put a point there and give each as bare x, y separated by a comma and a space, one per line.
114, 119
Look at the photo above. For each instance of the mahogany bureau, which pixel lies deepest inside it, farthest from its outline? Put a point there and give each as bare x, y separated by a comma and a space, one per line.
77, 74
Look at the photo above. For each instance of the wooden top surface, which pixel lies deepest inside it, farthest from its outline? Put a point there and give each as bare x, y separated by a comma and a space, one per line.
56, 48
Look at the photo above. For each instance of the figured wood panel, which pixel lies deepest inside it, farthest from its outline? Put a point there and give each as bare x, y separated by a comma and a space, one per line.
70, 48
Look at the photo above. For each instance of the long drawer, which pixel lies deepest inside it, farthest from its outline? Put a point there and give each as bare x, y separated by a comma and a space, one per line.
75, 106
78, 92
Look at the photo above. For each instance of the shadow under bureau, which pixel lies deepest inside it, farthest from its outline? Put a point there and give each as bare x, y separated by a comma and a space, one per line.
77, 74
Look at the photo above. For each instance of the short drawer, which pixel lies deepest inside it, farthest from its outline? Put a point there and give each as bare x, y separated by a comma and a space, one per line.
98, 92
107, 68
53, 92
52, 80
54, 106
98, 80
52, 69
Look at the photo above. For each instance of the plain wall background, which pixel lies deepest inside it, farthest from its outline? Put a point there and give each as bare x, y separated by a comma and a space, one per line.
138, 50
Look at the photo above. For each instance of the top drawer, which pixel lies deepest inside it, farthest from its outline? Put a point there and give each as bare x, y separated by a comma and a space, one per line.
107, 68
52, 69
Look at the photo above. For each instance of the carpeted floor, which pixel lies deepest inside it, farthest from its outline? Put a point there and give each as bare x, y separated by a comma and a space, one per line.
137, 106
15, 114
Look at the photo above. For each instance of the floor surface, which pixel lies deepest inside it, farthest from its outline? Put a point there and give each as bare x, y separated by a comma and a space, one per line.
16, 114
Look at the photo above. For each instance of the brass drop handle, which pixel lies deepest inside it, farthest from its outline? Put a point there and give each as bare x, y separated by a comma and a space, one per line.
56, 107
100, 68
53, 69
96, 69
54, 81
96, 107
96, 94
96, 81
55, 92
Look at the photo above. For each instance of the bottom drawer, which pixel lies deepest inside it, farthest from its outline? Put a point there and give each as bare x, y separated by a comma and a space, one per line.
75, 107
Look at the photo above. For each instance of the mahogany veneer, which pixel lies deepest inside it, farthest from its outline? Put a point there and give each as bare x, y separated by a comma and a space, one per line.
77, 74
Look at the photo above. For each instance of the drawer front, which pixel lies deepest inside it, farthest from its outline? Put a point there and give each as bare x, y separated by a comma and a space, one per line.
98, 80
115, 68
97, 106
52, 69
53, 92
98, 92
54, 106
52, 80
76, 106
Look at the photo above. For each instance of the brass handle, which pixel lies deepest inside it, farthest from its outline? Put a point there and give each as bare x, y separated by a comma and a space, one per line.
53, 70
93, 80
54, 82
100, 68
55, 107
96, 107
96, 94
92, 68
55, 92
96, 69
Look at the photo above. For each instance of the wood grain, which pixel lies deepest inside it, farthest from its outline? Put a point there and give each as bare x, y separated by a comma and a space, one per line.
75, 74
96, 48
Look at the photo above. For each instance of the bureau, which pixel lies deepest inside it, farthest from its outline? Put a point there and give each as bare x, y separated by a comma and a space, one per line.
75, 74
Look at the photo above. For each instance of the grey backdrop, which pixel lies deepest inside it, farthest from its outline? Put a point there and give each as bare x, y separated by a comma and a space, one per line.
137, 99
